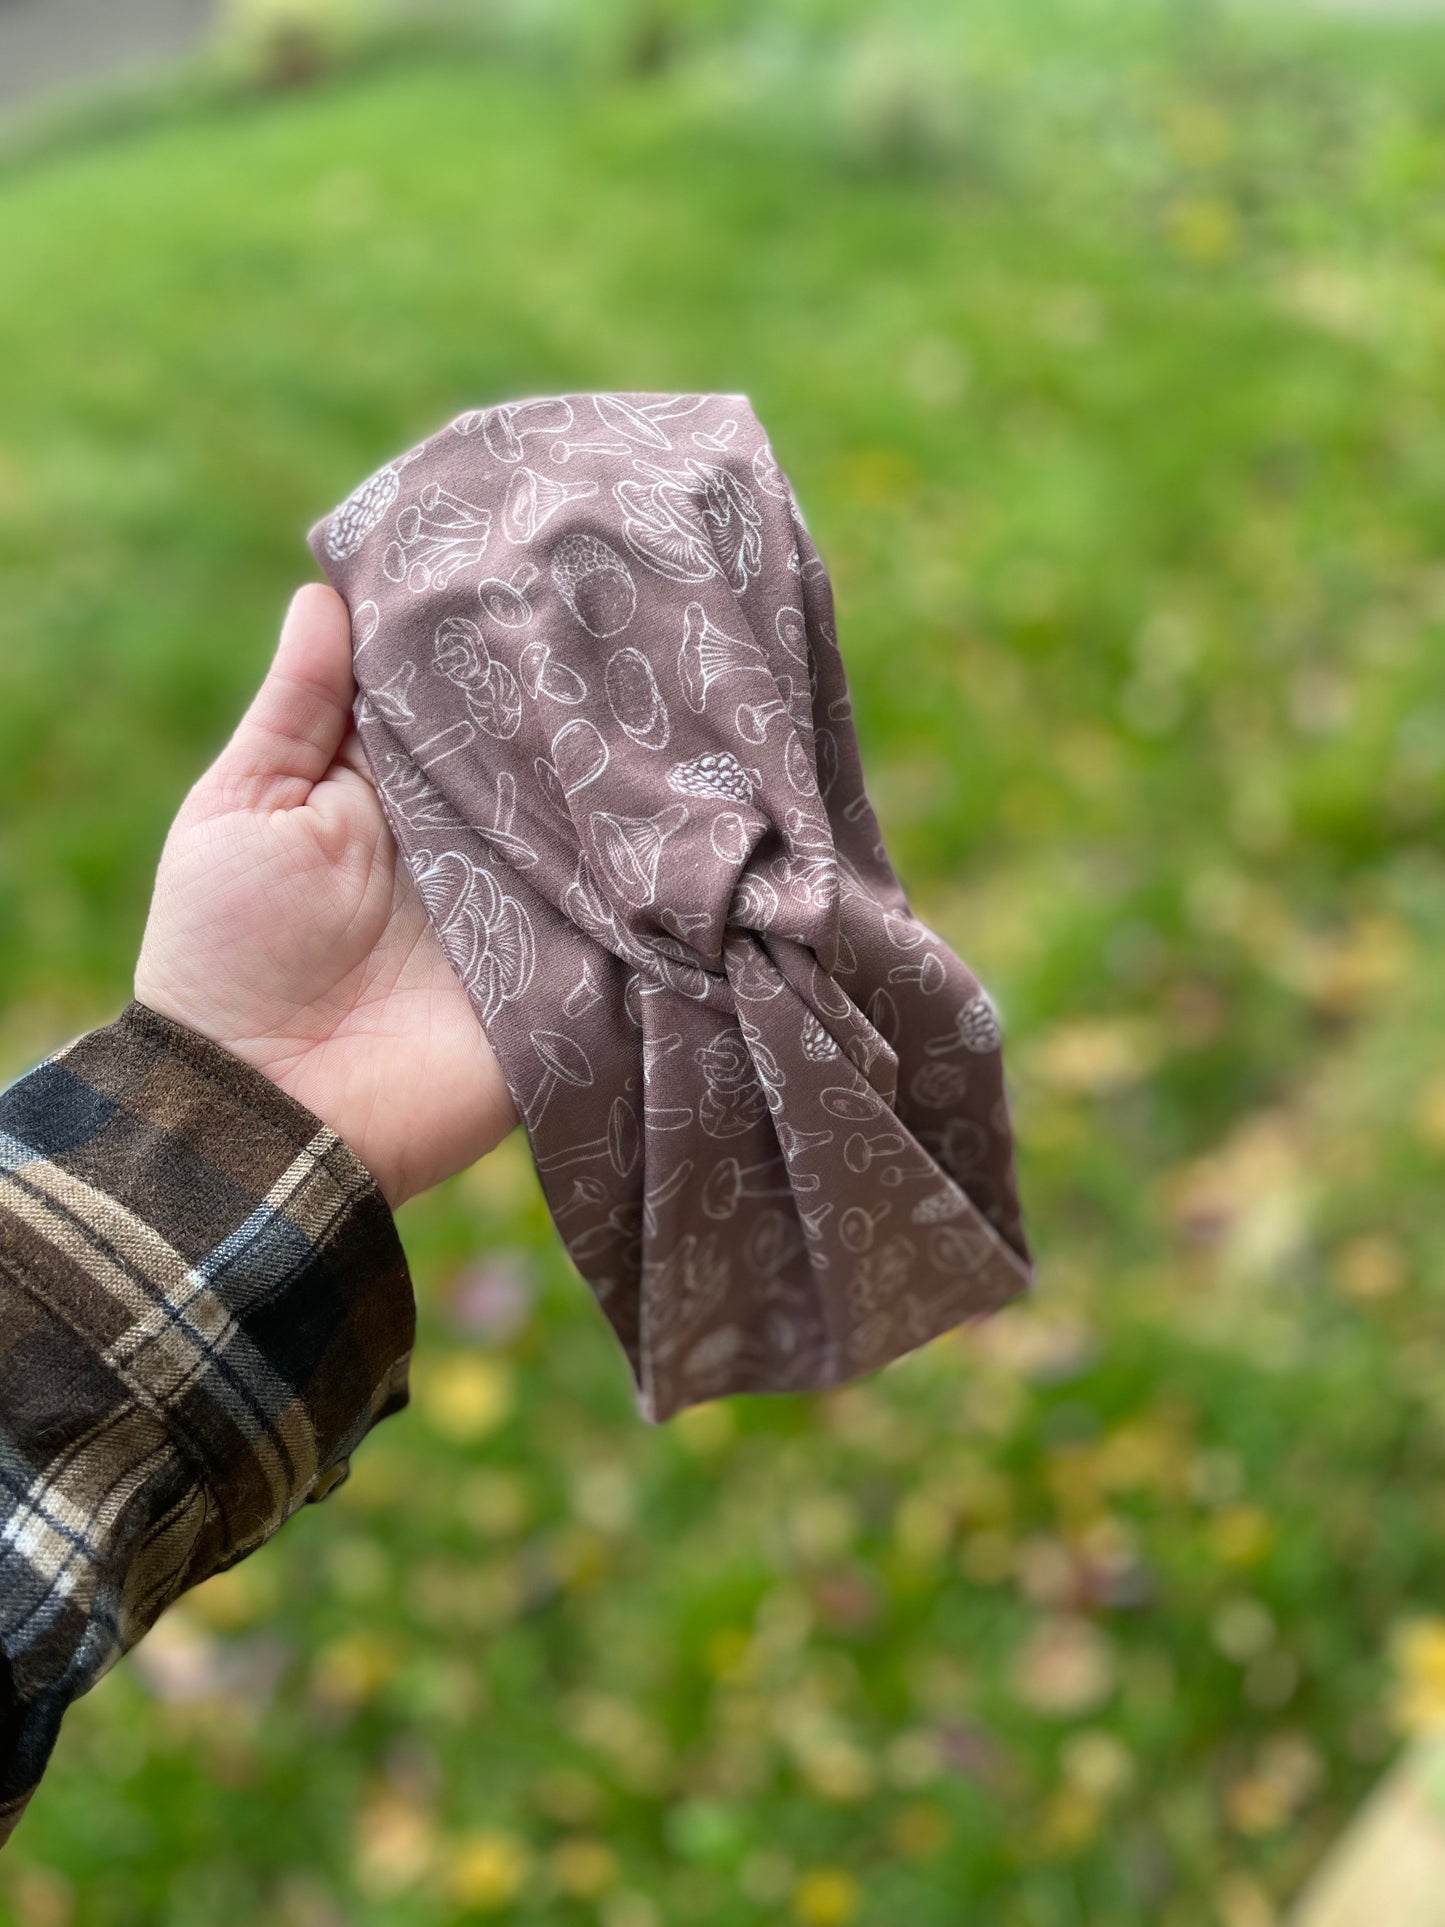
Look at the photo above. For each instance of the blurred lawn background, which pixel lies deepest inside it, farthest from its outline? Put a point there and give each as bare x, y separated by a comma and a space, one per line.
1102, 344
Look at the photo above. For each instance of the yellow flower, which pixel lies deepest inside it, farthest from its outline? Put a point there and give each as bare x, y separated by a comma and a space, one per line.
466, 1397
352, 1669
826, 1897
487, 1870
1097, 1763
836, 1769
1419, 1656
1256, 1805
1241, 1535
582, 1868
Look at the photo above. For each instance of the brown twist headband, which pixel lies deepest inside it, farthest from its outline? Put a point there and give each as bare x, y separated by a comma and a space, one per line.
601, 694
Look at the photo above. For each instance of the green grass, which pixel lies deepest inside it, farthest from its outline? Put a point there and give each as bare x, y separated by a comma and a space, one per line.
1103, 349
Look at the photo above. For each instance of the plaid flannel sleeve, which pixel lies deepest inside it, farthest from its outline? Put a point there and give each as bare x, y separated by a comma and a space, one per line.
204, 1306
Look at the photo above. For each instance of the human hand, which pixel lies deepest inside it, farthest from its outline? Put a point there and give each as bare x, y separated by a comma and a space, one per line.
284, 927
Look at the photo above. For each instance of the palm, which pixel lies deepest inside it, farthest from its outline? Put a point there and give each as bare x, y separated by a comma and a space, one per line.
285, 927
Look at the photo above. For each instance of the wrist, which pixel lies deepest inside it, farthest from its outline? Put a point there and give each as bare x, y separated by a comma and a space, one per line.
308, 1081
291, 1070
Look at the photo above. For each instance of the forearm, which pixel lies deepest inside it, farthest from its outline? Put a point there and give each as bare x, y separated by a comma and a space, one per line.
203, 1307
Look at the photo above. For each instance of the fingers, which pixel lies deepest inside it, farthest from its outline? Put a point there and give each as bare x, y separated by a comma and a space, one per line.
300, 716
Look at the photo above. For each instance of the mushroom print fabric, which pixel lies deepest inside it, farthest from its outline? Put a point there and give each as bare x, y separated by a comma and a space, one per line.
600, 691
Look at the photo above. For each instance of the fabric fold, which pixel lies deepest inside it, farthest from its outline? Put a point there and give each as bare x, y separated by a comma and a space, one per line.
600, 689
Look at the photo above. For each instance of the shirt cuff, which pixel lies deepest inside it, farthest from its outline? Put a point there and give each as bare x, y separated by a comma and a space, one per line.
204, 1306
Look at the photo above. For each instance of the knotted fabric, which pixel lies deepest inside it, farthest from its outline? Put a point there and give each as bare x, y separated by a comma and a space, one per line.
600, 691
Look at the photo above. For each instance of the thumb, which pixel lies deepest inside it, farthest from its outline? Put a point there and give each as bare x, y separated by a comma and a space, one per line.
298, 719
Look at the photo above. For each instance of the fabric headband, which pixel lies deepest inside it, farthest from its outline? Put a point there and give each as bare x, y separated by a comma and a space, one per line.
601, 694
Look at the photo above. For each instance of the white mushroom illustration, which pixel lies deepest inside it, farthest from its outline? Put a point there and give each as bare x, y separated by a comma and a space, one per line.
595, 583
365, 508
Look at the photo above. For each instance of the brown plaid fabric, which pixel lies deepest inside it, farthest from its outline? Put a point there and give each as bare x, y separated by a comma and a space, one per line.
204, 1306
